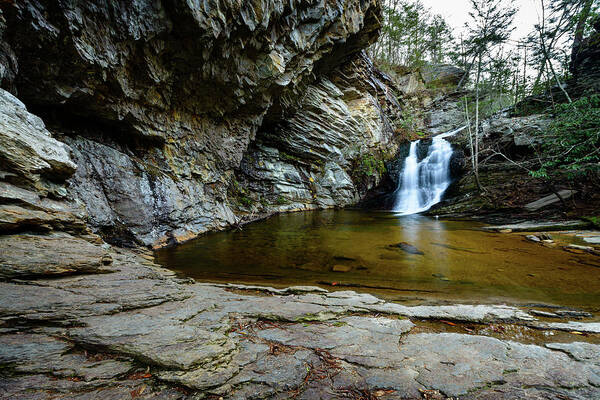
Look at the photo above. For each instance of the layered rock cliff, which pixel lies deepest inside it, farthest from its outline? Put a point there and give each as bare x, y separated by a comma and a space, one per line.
183, 117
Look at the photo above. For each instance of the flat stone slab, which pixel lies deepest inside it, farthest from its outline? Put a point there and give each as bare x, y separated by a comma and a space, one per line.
36, 353
574, 326
26, 256
549, 200
592, 239
535, 226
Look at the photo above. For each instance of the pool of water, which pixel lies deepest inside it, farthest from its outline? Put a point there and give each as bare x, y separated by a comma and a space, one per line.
414, 259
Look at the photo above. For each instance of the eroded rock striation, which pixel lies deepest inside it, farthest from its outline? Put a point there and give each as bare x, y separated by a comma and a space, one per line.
34, 168
331, 151
166, 106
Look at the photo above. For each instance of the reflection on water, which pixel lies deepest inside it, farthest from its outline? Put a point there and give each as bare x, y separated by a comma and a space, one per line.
375, 252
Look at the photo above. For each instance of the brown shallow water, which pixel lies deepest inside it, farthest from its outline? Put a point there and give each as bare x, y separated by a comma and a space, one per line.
460, 262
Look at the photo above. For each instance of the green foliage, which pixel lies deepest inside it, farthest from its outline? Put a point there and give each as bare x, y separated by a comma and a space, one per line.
240, 194
369, 166
288, 157
281, 201
408, 125
409, 121
411, 35
594, 220
572, 142
245, 201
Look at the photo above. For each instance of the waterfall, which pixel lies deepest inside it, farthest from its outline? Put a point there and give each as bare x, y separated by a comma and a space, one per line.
423, 184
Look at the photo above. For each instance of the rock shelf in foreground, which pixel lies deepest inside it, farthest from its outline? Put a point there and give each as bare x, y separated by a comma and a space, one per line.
141, 332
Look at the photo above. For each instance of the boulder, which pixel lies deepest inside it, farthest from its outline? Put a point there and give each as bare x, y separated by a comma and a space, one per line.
517, 132
407, 248
35, 167
410, 84
442, 75
29, 156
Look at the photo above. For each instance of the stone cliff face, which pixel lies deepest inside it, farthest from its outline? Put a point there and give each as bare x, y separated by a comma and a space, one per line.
585, 65
182, 117
331, 151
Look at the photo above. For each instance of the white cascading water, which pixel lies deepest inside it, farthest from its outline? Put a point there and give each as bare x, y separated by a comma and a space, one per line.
423, 183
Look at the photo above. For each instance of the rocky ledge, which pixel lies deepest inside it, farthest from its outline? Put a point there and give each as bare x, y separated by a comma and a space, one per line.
166, 119
138, 331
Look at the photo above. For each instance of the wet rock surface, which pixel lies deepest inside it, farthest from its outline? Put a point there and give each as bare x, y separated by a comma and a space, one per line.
142, 330
532, 226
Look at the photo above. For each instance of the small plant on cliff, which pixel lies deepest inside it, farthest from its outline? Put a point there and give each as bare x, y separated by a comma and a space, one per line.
245, 201
288, 157
409, 124
572, 142
369, 166
281, 201
240, 194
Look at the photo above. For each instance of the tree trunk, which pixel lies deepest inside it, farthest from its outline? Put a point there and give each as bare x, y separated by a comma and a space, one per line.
541, 31
476, 152
471, 147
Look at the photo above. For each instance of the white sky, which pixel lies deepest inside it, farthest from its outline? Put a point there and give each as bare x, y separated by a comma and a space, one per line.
456, 13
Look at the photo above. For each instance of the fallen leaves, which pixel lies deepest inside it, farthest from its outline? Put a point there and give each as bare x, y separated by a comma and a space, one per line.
432, 394
139, 375
363, 394
328, 359
277, 349
137, 392
382, 392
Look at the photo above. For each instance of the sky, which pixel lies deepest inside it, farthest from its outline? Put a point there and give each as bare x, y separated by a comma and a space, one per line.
456, 13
